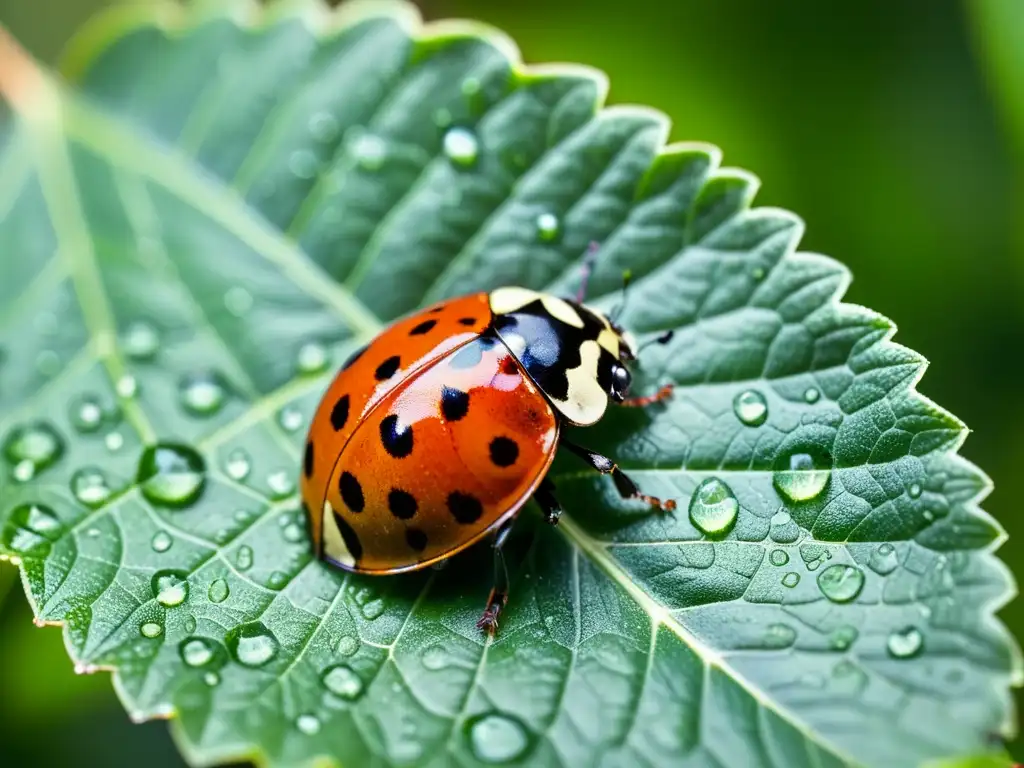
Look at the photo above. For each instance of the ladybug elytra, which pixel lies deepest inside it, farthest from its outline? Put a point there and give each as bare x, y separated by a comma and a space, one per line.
436, 433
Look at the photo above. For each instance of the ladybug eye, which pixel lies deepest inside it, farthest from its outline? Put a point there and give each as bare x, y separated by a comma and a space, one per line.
620, 380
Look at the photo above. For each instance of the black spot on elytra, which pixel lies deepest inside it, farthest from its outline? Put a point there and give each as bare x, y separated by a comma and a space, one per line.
454, 403
397, 441
307, 462
402, 504
348, 535
423, 327
387, 369
351, 492
467, 321
352, 358
416, 539
339, 414
464, 508
504, 451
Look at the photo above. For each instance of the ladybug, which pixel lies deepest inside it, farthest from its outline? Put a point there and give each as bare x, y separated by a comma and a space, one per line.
436, 433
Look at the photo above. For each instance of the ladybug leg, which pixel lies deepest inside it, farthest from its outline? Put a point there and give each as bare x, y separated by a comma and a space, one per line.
626, 487
545, 497
639, 402
499, 592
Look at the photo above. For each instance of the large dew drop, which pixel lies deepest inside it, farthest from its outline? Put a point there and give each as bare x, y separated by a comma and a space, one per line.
841, 583
905, 643
197, 651
343, 682
31, 448
884, 559
252, 644
171, 475
801, 476
750, 407
170, 588
713, 507
497, 738
31, 529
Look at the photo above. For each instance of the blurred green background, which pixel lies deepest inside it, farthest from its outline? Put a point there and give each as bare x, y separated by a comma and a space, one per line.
894, 127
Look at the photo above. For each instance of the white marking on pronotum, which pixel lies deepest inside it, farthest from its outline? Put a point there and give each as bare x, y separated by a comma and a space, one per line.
586, 402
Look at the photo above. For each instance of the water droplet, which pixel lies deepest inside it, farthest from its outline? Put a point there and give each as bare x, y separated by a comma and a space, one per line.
914, 490
811, 395
140, 341
171, 475
841, 583
290, 419
782, 529
308, 724
90, 487
127, 386
161, 541
202, 394
791, 579
33, 447
303, 164
884, 560
277, 580
151, 629
280, 483
435, 657
323, 126
237, 301
243, 558
750, 407
252, 644
190, 623
461, 146
312, 358
841, 638
30, 531
497, 738
470, 86
801, 477
778, 636
814, 555
170, 588
218, 591
905, 643
211, 679
713, 507
197, 652
848, 678
548, 227
237, 465
294, 533
48, 363
348, 645
342, 681
86, 414
114, 441
758, 273
778, 557
373, 609
370, 151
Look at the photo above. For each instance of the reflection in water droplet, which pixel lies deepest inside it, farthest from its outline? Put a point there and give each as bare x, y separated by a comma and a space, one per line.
778, 557
218, 591
237, 465
323, 126
280, 483
90, 487
243, 558
841, 583
884, 559
161, 541
791, 579
750, 407
33, 447
842, 637
237, 301
140, 341
342, 681
497, 738
348, 645
548, 227
303, 164
114, 441
801, 477
290, 419
312, 358
197, 652
171, 475
86, 414
308, 724
811, 395
252, 644
905, 643
461, 146
778, 636
170, 588
127, 386
914, 490
151, 629
713, 507
202, 394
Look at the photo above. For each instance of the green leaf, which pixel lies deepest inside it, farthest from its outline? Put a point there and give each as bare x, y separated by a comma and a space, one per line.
219, 201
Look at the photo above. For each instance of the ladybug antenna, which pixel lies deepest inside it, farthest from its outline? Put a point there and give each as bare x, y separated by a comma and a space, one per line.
627, 277
664, 338
588, 266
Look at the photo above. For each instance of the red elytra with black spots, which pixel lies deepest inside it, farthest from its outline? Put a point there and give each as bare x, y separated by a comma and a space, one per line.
436, 433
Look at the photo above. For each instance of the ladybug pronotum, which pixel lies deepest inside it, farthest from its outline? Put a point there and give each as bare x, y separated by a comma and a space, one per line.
435, 434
